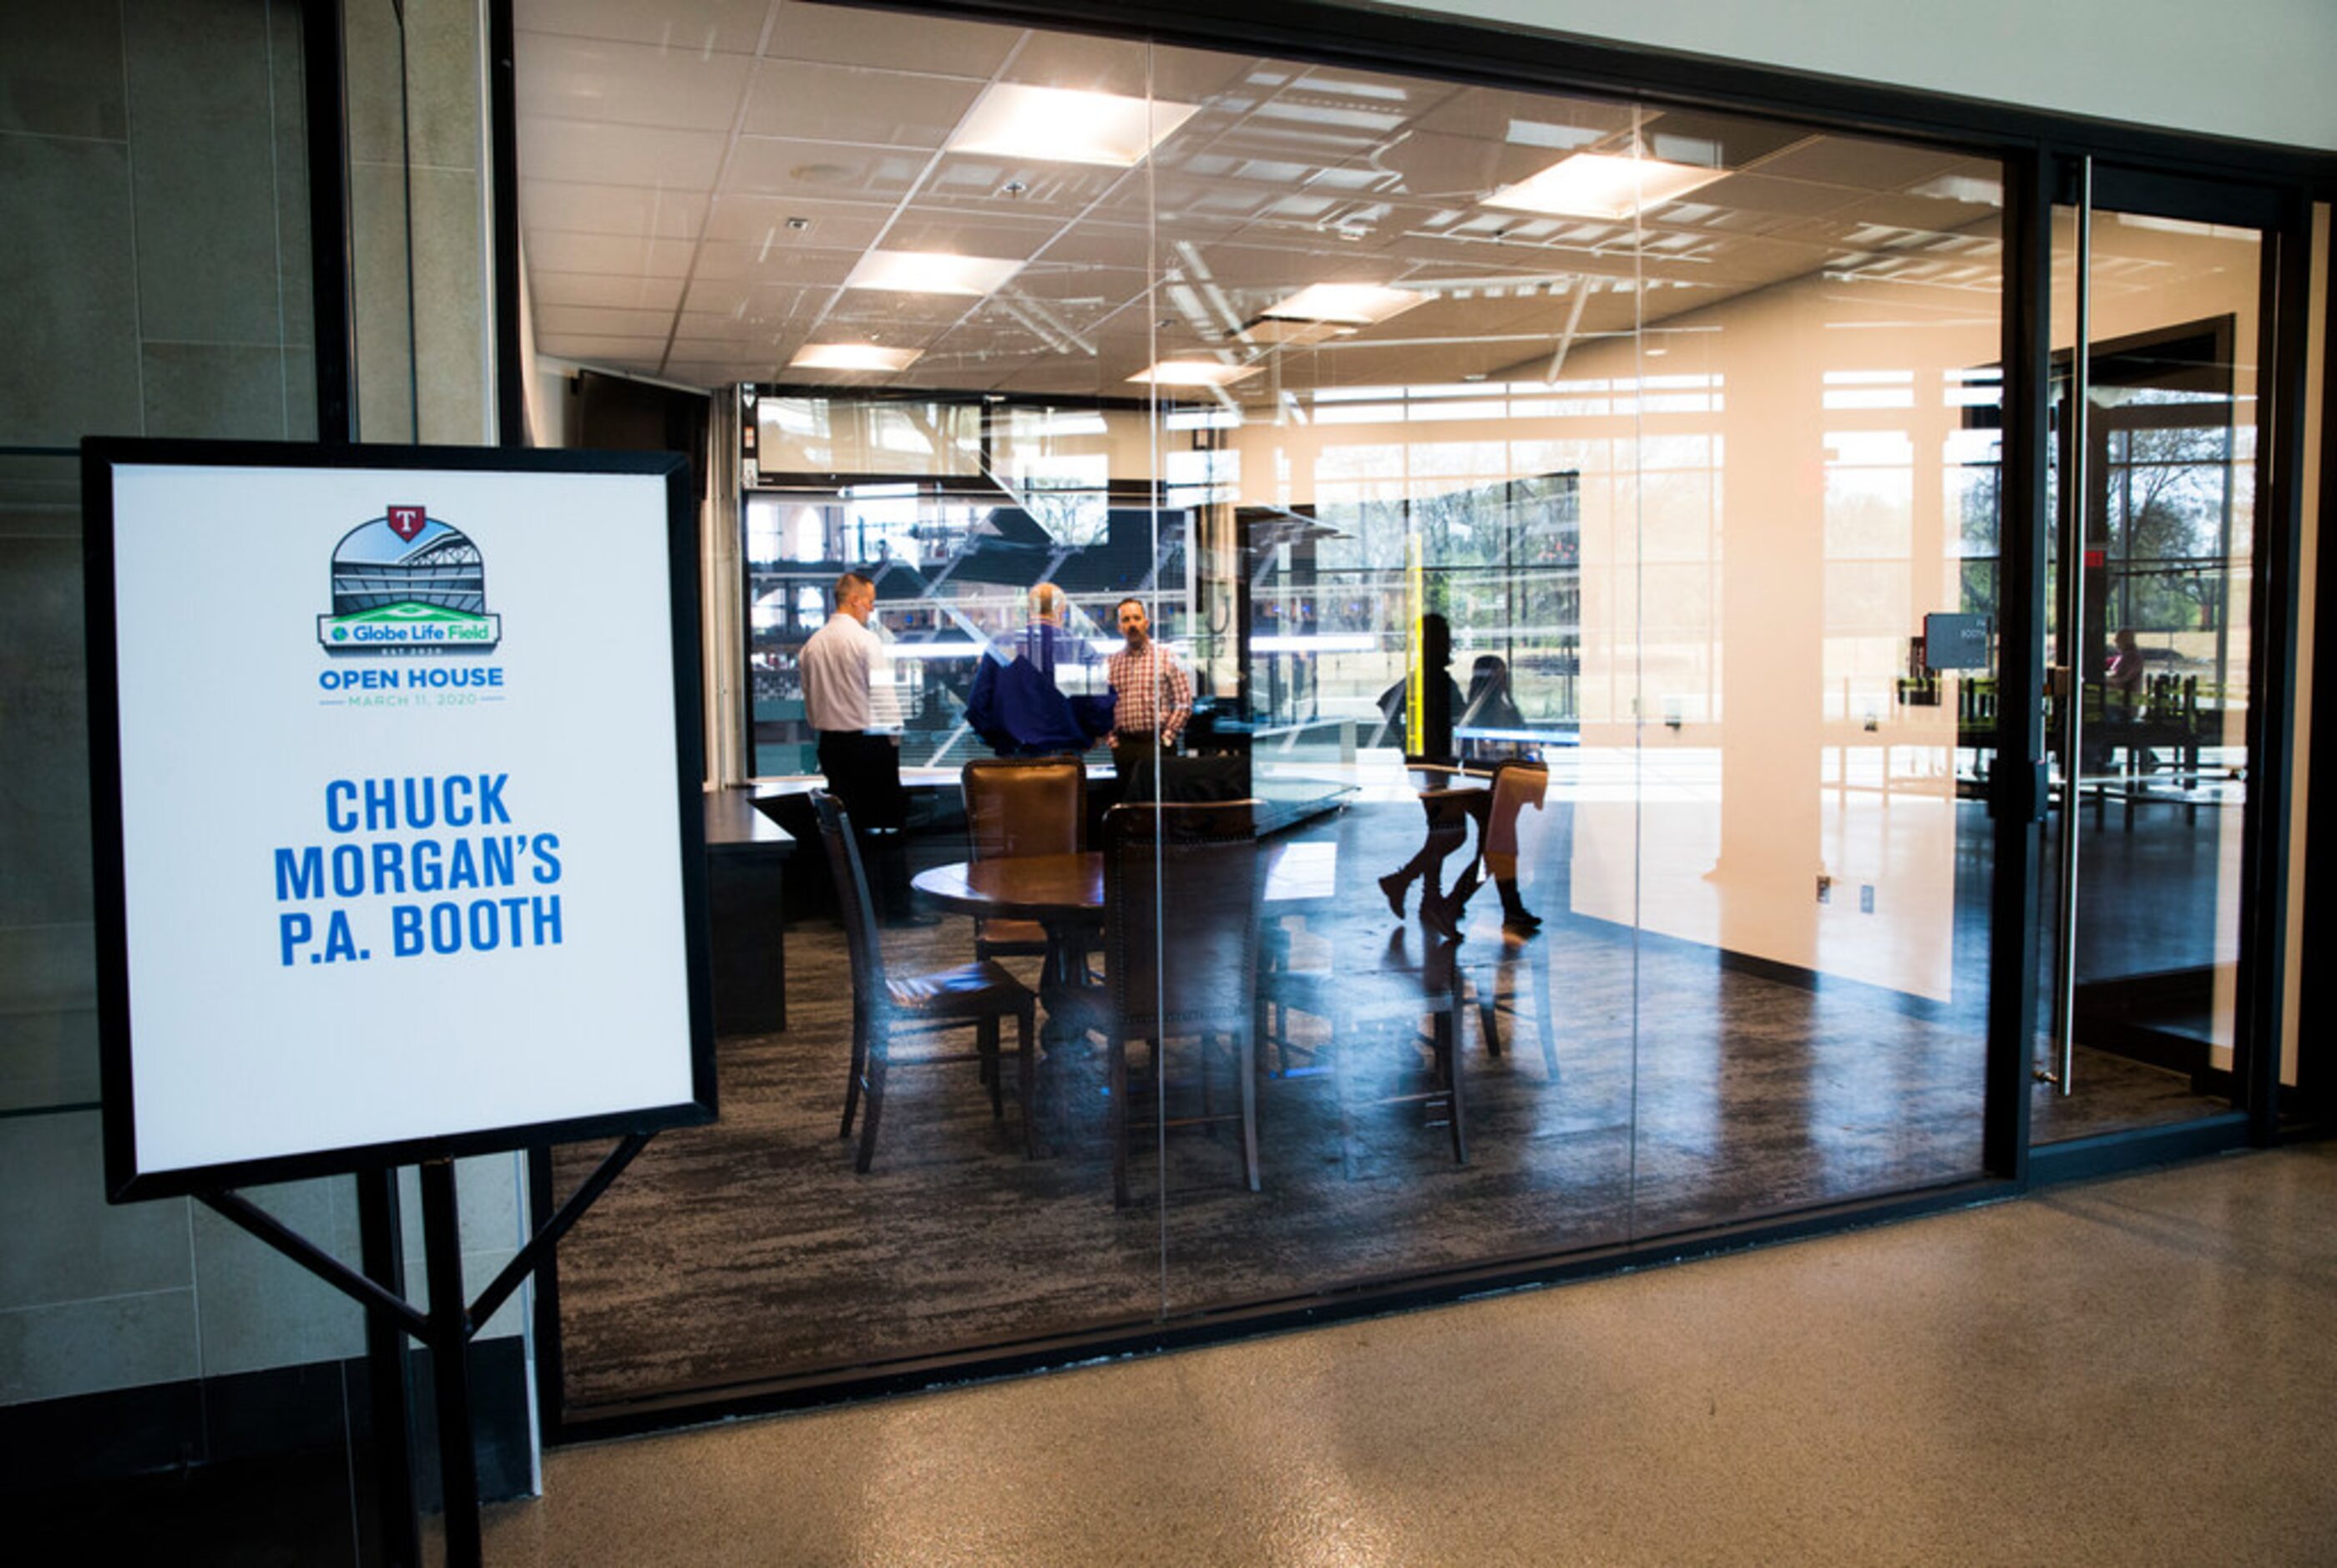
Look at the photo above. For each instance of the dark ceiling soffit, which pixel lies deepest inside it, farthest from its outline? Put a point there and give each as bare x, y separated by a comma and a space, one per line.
1482, 53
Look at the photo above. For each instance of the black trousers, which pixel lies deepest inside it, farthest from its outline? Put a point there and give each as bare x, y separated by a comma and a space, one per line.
864, 774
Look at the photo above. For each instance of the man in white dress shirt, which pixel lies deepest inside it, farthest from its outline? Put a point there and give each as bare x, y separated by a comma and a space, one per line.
849, 700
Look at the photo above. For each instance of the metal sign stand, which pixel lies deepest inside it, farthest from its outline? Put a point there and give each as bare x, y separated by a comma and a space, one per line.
450, 1323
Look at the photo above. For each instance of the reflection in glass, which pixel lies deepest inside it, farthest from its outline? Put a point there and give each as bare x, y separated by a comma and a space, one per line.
1554, 583
2159, 788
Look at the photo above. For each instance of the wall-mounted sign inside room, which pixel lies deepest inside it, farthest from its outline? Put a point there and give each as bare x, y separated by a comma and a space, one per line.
397, 804
1954, 641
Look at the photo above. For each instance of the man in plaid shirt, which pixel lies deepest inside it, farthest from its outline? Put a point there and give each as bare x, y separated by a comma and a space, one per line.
1154, 697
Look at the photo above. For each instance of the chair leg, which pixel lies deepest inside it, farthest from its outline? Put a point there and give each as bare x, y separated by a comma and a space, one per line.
1246, 1063
1025, 1082
986, 1042
877, 1054
859, 1069
1489, 1012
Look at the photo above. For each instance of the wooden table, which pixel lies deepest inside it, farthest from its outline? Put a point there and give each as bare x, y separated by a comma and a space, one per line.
1064, 893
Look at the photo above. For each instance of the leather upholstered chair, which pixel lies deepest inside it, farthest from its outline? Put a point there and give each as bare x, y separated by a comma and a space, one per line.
1022, 805
886, 1007
1183, 894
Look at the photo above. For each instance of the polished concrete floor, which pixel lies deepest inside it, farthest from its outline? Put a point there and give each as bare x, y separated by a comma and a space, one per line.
2138, 1370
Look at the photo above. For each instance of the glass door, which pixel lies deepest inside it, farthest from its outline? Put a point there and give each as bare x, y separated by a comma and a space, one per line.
2151, 689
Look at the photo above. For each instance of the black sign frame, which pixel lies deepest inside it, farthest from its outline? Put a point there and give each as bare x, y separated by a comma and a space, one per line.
100, 455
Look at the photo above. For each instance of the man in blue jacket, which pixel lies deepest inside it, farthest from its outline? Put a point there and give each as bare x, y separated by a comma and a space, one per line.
1016, 706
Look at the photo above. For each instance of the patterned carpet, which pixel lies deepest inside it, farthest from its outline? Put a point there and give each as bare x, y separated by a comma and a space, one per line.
1689, 1094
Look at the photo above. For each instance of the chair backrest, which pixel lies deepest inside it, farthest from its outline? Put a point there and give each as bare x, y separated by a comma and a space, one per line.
1217, 776
852, 892
1024, 805
1183, 904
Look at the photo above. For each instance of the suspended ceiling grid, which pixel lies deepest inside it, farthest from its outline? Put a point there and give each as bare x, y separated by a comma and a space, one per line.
699, 177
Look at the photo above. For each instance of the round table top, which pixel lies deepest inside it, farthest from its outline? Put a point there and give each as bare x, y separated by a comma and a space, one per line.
1071, 887
1019, 886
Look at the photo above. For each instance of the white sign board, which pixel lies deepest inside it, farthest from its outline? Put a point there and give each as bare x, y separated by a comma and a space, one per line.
403, 754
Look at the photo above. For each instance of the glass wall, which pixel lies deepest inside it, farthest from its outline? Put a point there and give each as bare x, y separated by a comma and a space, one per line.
1577, 521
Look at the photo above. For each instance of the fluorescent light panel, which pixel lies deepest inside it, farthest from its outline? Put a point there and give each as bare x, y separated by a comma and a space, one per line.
930, 272
1059, 125
853, 357
1602, 185
1346, 304
1194, 373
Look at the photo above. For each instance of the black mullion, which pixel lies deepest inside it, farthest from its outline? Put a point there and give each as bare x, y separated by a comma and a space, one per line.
2315, 1075
2265, 831
325, 85
2018, 781
511, 373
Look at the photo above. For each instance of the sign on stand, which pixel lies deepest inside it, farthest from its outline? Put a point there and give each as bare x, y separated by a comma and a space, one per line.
398, 817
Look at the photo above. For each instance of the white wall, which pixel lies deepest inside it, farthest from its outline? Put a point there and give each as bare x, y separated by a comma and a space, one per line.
2257, 69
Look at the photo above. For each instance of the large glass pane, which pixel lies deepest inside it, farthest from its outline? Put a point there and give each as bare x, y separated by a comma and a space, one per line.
2155, 642
1410, 467
873, 213
1813, 497
1555, 569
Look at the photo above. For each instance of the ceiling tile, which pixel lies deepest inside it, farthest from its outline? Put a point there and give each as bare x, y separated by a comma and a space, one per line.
780, 166
765, 221
794, 266
977, 233
1763, 193
585, 151
612, 209
1102, 245
628, 84
1863, 166
846, 104
929, 44
589, 321
716, 372
1086, 65
695, 26
738, 299
1024, 186
639, 353
557, 250
1289, 175
615, 292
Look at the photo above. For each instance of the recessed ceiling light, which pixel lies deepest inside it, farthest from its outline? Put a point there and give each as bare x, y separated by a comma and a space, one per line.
852, 357
1602, 185
1348, 304
930, 272
1194, 373
1059, 125
1276, 332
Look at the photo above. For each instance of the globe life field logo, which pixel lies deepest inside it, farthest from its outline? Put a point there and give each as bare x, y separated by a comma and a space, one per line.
406, 583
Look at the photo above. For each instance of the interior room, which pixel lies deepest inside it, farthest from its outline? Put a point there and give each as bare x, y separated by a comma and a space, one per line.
1631, 470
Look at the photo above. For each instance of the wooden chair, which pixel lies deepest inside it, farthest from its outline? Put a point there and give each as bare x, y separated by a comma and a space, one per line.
1022, 805
885, 1007
1517, 852
1524, 845
1182, 912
